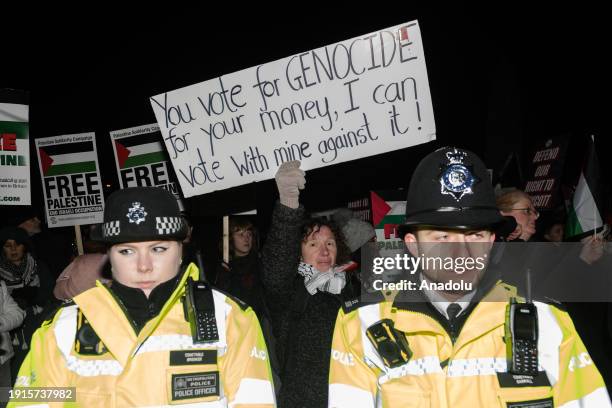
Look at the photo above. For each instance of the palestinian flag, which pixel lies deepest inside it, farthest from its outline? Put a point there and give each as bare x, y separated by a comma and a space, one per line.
585, 211
388, 211
67, 158
140, 150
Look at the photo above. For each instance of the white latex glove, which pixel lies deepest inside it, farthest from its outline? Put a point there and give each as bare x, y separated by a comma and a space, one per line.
290, 179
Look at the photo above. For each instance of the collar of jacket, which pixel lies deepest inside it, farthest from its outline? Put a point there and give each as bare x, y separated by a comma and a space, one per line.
139, 307
413, 313
109, 320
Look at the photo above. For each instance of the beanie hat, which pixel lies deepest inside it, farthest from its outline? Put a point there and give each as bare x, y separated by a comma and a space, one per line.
19, 235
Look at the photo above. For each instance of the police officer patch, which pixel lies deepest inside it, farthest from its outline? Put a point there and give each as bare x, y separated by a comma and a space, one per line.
136, 213
457, 179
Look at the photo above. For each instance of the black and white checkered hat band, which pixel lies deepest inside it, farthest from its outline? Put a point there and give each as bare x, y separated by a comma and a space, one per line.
110, 229
168, 225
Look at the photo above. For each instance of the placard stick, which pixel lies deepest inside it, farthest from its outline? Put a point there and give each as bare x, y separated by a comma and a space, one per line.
79, 238
226, 239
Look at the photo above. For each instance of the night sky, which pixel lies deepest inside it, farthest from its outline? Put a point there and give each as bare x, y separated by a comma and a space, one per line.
500, 78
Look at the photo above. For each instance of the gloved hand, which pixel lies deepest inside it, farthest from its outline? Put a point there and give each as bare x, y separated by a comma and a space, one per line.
289, 181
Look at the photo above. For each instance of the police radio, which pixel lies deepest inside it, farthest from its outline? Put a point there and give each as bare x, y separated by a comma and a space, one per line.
390, 343
199, 308
521, 335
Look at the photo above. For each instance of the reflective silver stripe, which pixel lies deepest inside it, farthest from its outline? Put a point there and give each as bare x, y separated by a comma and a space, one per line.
254, 391
368, 315
65, 332
421, 366
37, 406
477, 366
344, 395
222, 403
598, 398
549, 341
166, 342
184, 342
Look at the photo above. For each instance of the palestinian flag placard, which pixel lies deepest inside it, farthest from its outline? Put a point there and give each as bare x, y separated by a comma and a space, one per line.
71, 179
14, 148
142, 160
388, 212
584, 215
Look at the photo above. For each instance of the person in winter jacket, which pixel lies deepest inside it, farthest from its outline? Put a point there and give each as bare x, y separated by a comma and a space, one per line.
156, 335
11, 317
28, 280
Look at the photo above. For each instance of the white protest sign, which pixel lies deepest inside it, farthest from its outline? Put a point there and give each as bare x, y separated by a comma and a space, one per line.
71, 179
14, 154
356, 98
142, 160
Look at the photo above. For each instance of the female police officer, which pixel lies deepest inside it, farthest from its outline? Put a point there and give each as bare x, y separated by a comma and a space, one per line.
157, 336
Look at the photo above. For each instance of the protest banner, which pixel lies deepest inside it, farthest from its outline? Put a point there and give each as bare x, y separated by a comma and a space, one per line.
14, 148
353, 99
70, 179
545, 172
141, 159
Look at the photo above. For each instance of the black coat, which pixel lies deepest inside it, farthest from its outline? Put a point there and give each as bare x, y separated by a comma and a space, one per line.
303, 323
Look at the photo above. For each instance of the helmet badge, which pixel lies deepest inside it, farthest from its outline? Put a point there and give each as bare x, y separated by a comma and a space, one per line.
456, 179
136, 213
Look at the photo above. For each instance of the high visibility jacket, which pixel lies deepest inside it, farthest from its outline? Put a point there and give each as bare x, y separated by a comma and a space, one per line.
161, 366
470, 373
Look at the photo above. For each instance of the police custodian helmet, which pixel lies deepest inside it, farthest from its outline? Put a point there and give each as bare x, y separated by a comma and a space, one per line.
451, 189
137, 214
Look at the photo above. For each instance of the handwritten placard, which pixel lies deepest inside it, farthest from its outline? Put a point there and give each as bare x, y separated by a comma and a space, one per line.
353, 99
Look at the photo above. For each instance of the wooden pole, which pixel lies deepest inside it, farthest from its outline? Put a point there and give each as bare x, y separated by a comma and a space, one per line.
226, 239
79, 239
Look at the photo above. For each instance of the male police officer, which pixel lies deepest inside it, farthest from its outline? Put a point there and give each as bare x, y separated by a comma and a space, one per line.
157, 335
459, 337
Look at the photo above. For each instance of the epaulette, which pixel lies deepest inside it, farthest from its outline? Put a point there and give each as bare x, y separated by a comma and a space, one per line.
552, 302
50, 315
243, 305
508, 287
350, 304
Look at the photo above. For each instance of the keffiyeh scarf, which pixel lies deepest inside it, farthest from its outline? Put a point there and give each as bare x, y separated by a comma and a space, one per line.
18, 276
332, 281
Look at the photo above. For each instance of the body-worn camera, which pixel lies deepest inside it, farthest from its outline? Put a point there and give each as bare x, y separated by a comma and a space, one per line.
390, 343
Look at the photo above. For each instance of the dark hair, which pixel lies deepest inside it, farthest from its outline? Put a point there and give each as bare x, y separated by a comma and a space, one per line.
237, 224
19, 235
311, 225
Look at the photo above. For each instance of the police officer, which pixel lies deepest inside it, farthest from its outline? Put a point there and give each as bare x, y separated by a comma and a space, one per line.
458, 337
157, 335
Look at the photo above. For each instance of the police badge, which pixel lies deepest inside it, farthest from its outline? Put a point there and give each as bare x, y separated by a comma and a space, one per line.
136, 213
456, 179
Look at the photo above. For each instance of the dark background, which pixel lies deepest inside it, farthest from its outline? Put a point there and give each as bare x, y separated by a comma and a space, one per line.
502, 78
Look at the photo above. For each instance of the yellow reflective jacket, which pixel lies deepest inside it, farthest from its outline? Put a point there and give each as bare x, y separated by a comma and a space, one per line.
470, 373
158, 367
